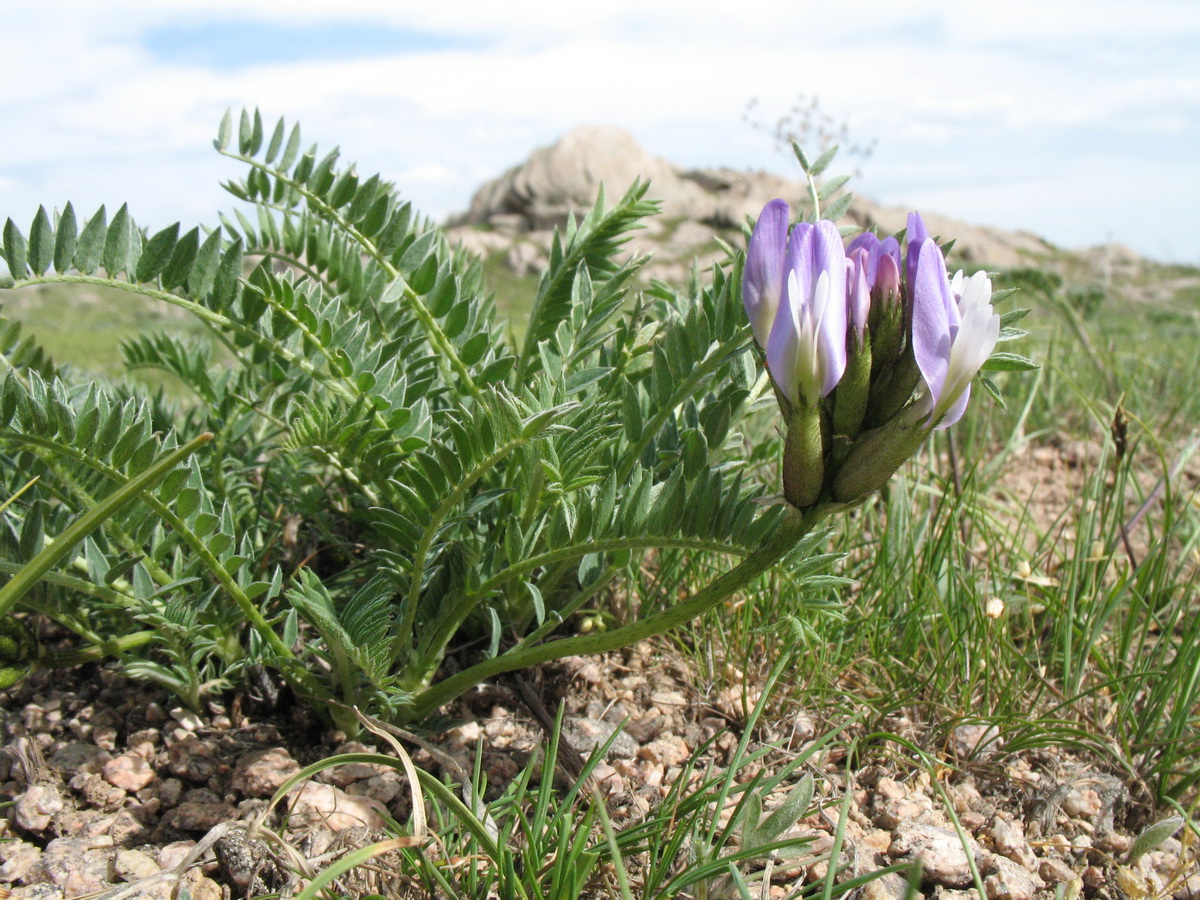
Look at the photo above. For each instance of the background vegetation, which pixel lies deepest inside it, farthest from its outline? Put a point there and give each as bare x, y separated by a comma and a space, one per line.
1033, 569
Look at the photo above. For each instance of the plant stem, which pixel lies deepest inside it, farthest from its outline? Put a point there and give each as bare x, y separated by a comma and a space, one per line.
33, 571
791, 530
99, 650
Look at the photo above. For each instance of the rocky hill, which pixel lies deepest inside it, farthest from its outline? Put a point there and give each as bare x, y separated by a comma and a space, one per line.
514, 214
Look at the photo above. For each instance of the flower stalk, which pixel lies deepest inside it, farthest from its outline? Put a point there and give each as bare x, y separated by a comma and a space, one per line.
794, 527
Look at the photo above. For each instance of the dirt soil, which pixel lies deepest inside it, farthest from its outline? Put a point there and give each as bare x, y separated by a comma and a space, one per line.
1041, 489
117, 792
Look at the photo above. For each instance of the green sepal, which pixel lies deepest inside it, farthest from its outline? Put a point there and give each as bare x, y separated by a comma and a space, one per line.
803, 457
875, 457
853, 388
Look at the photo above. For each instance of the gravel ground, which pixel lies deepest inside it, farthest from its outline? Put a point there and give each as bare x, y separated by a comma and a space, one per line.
117, 791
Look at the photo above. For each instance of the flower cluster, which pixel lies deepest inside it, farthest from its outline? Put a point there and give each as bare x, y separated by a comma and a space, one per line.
868, 349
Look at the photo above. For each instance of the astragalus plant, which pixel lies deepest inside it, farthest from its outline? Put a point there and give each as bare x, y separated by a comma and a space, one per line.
393, 478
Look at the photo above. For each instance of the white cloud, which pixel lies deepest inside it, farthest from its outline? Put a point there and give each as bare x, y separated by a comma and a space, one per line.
1016, 98
430, 174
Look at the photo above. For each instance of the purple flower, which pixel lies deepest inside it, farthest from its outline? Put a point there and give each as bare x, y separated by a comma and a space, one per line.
806, 349
917, 236
877, 252
858, 298
887, 276
762, 282
954, 331
881, 268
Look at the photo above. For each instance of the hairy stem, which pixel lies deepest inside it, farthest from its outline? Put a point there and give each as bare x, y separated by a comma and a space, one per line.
99, 650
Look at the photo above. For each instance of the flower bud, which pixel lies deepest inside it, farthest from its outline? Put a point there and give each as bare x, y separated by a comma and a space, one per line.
850, 397
892, 388
875, 457
887, 313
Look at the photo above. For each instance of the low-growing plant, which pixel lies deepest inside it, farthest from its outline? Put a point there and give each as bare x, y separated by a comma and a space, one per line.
393, 478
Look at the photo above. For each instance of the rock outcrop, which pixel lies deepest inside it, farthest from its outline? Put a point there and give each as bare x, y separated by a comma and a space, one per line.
565, 177
515, 212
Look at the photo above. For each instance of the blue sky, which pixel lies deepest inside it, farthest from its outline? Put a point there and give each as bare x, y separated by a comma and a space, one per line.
1079, 121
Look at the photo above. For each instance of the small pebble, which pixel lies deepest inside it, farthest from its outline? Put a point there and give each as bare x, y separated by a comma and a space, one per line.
939, 850
262, 772
382, 788
131, 865
669, 750
37, 807
1113, 843
1082, 803
199, 816
975, 742
1093, 878
129, 772
333, 808
171, 855
1055, 871
1008, 880
192, 759
19, 857
187, 719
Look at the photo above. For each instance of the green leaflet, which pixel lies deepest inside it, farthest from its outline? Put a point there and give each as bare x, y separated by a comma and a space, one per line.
19, 651
388, 464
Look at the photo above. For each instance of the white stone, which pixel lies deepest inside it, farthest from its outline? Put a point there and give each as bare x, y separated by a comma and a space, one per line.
323, 804
37, 807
